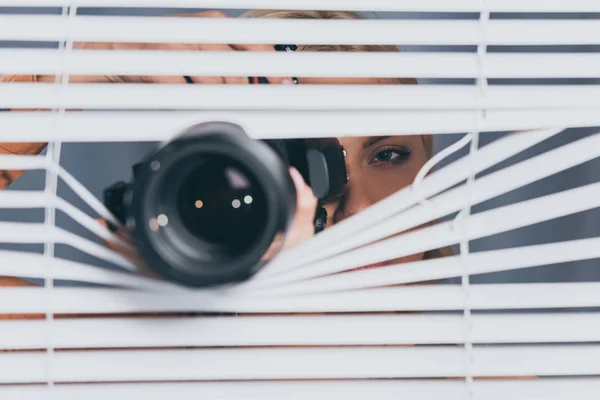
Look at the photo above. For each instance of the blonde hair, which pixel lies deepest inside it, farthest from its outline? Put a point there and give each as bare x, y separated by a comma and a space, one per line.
294, 14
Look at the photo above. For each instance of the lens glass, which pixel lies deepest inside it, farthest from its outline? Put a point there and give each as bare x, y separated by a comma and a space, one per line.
220, 203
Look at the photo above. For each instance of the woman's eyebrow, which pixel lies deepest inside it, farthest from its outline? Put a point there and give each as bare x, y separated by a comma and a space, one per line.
370, 142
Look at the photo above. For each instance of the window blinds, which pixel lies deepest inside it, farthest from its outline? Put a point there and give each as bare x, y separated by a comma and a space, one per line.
309, 325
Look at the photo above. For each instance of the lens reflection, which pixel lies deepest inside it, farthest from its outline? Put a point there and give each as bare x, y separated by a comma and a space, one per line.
213, 205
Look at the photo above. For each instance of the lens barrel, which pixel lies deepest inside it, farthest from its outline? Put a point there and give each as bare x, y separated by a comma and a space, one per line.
208, 206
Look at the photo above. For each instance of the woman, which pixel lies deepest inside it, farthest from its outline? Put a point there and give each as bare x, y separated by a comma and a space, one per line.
378, 166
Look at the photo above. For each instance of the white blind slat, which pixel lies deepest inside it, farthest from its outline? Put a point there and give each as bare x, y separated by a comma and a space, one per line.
19, 232
304, 363
352, 32
32, 199
535, 6
28, 265
303, 64
292, 331
325, 390
521, 389
22, 162
355, 5
163, 125
212, 30
40, 162
434, 298
318, 390
307, 97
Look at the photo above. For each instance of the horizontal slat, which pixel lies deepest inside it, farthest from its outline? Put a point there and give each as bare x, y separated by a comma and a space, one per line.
158, 126
237, 30
550, 6
447, 389
290, 363
18, 232
24, 162
542, 32
302, 64
34, 199
308, 97
28, 265
356, 5
316, 390
353, 32
292, 331
40, 162
435, 298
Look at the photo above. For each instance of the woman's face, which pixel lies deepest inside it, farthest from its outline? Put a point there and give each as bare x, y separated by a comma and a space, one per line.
378, 166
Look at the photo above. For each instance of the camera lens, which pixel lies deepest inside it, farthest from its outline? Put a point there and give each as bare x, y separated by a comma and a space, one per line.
221, 205
207, 207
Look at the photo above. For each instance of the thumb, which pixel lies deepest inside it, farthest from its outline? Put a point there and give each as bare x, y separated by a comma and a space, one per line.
302, 227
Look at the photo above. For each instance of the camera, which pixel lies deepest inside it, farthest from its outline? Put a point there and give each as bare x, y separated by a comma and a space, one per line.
212, 206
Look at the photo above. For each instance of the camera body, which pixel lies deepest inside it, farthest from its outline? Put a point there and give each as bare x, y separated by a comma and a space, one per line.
211, 206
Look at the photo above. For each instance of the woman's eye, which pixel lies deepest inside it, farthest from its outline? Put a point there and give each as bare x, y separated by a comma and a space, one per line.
386, 155
395, 156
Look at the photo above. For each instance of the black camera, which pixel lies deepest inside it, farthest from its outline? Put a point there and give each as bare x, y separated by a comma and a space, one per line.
212, 205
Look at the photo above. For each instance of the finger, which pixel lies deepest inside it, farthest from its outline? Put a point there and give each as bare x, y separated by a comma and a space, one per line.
306, 203
298, 180
302, 227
